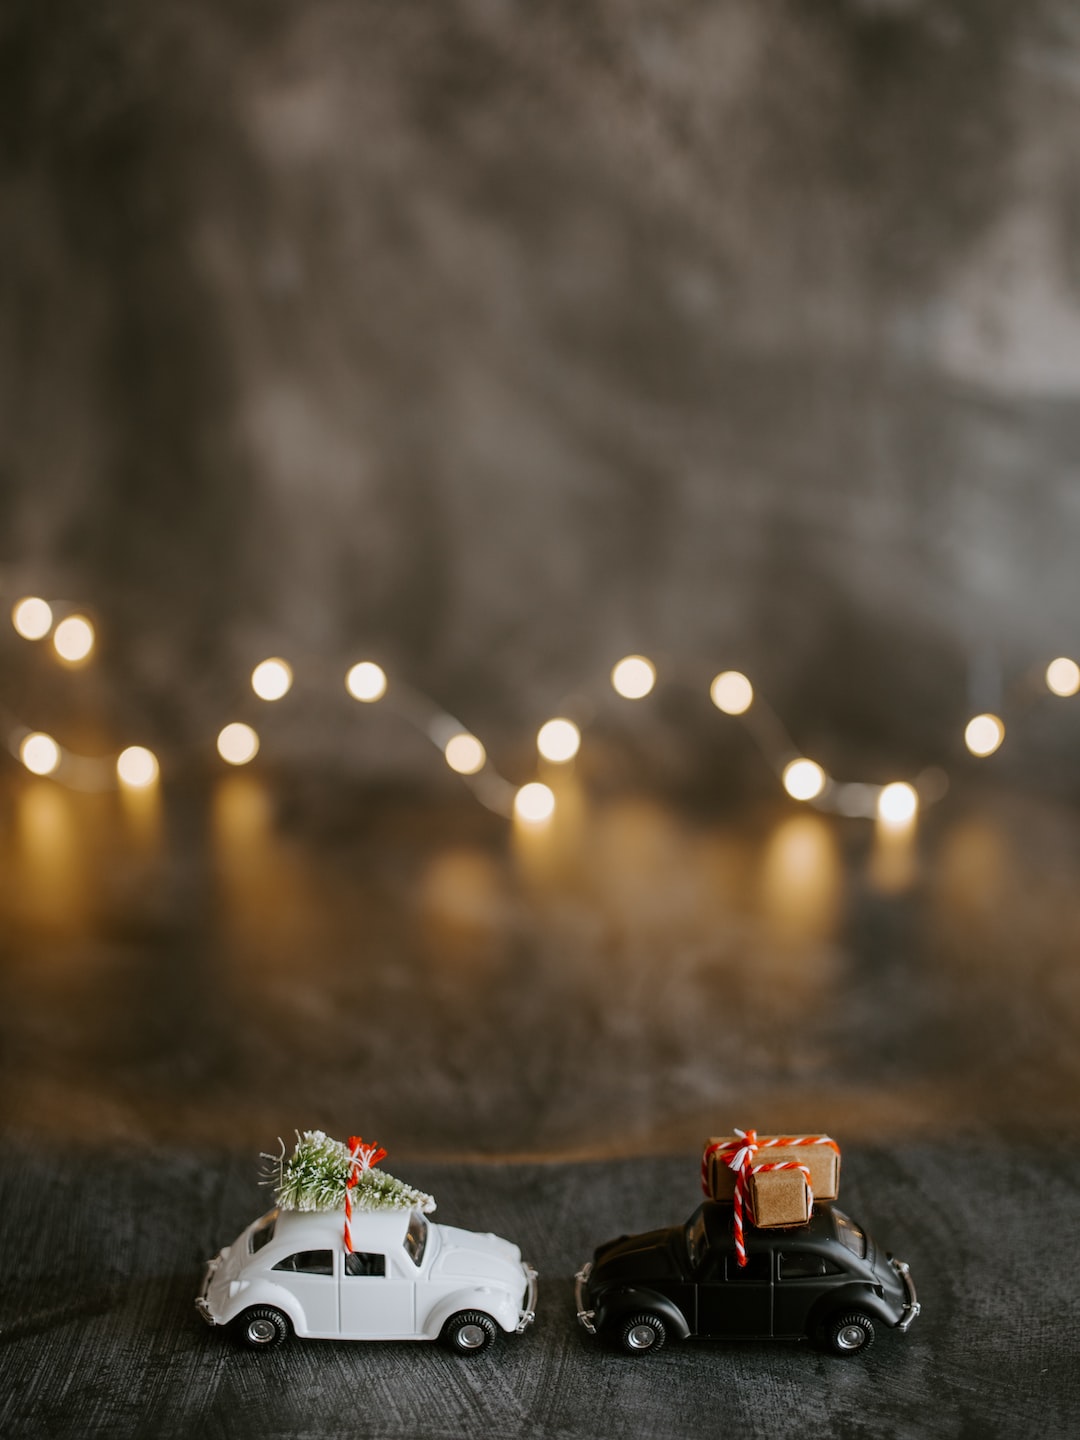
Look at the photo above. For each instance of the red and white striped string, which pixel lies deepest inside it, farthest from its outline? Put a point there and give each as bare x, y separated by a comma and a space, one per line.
744, 1201
361, 1158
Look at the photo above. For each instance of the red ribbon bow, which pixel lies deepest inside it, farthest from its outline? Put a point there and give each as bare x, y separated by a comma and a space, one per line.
361, 1158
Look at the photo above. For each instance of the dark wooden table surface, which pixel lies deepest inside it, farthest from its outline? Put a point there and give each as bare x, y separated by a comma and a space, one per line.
540, 1029
103, 1256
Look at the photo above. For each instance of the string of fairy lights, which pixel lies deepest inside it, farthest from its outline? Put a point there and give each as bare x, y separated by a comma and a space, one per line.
558, 741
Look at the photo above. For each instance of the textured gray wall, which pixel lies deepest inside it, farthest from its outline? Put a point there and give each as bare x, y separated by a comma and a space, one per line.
495, 340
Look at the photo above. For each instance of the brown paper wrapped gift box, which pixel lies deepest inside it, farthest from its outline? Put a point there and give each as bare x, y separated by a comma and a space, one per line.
779, 1198
822, 1161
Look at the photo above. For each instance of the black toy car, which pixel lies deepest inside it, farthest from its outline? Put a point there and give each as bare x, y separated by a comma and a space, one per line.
826, 1280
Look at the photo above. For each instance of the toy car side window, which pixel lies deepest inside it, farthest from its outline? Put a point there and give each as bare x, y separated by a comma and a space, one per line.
802, 1265
263, 1232
711, 1267
850, 1234
701, 1254
755, 1271
365, 1262
308, 1262
416, 1237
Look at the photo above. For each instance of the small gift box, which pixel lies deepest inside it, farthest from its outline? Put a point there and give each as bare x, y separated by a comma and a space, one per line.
780, 1197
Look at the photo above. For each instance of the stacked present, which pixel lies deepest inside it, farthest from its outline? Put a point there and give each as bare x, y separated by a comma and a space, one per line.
771, 1179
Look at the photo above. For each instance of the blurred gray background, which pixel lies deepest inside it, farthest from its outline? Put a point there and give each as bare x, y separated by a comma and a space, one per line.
495, 341
492, 342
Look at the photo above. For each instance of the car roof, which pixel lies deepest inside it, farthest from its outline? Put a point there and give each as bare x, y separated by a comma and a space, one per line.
821, 1230
317, 1229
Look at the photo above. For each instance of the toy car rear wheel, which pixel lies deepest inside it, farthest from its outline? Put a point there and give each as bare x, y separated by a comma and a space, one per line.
468, 1332
642, 1334
848, 1334
262, 1328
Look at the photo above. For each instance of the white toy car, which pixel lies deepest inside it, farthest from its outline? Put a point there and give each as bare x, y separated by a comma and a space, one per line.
406, 1278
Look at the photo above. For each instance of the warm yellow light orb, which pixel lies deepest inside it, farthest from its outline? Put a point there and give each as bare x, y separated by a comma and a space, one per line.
897, 803
136, 766
39, 753
238, 743
732, 692
534, 803
984, 734
465, 754
32, 618
1063, 676
74, 639
366, 681
271, 679
559, 741
803, 779
633, 677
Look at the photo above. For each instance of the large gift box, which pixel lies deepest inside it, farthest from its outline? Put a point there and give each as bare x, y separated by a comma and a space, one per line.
818, 1153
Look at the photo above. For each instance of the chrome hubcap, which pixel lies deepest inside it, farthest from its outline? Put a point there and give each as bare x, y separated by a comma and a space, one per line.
851, 1337
471, 1337
641, 1337
261, 1331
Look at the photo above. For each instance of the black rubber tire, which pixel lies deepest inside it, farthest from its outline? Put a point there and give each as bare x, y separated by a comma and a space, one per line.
262, 1328
469, 1332
642, 1334
848, 1334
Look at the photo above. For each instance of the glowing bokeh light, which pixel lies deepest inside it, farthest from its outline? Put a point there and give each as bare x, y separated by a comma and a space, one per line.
732, 692
534, 803
39, 753
803, 779
558, 741
465, 754
897, 804
366, 681
271, 679
136, 766
984, 734
1063, 676
633, 677
73, 639
32, 618
238, 743
801, 878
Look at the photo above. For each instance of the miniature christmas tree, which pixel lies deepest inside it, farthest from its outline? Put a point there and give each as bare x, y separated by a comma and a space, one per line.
322, 1174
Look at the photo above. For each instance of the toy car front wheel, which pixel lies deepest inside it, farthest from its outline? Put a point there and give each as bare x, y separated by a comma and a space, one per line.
642, 1333
261, 1328
848, 1334
468, 1332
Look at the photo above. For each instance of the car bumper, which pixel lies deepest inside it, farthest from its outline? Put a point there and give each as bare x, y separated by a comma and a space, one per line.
911, 1303
528, 1314
586, 1317
202, 1303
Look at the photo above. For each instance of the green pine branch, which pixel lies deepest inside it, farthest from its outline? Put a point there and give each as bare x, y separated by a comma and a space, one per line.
315, 1174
